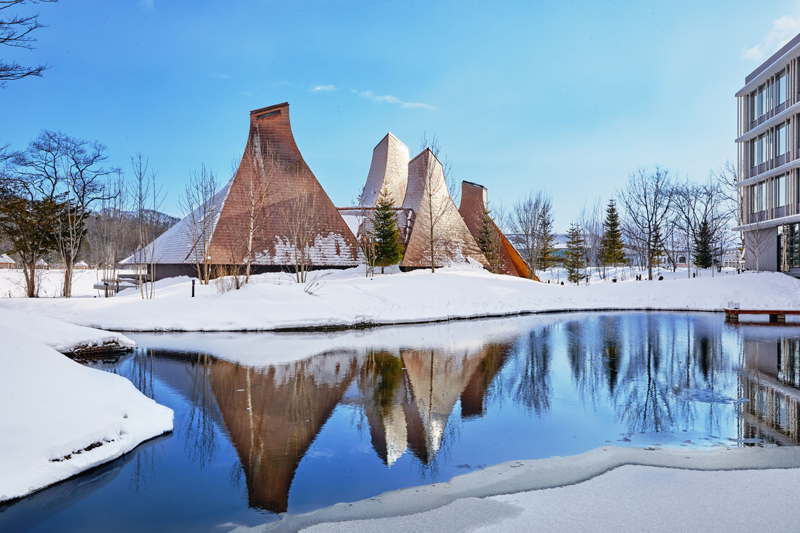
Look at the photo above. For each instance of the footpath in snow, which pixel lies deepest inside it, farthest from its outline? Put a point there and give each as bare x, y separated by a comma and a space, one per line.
346, 298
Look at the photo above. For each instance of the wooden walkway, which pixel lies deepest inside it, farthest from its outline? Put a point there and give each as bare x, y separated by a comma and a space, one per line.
775, 316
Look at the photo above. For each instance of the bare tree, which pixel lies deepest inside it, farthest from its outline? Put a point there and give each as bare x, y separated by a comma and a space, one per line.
436, 182
147, 200
251, 191
202, 209
531, 220
591, 223
646, 200
301, 219
756, 238
108, 227
694, 203
67, 170
16, 31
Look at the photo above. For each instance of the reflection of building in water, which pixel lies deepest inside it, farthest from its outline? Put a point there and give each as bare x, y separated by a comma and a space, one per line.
408, 399
384, 390
473, 399
273, 415
769, 380
436, 380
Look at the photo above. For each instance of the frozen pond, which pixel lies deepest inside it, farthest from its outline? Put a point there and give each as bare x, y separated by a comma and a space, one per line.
269, 423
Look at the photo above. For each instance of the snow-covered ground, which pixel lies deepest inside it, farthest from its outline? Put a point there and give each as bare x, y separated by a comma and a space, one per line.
60, 418
61, 336
344, 298
606, 489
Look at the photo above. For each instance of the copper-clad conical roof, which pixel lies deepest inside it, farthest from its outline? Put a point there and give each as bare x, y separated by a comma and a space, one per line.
428, 197
389, 170
474, 201
290, 181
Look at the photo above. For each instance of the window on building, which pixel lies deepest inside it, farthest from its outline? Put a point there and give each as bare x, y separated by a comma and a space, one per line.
762, 148
752, 106
780, 140
762, 100
780, 88
779, 192
753, 153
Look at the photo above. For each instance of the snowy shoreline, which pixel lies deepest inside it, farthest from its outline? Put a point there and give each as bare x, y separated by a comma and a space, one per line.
346, 299
487, 497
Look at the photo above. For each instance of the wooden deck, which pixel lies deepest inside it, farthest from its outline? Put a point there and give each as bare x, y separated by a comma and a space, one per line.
775, 315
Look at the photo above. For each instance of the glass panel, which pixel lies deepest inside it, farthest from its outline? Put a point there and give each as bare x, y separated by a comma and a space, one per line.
780, 140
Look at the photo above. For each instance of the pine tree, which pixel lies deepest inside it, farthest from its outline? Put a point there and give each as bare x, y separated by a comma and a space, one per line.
703, 254
657, 248
574, 256
613, 248
388, 248
548, 240
489, 242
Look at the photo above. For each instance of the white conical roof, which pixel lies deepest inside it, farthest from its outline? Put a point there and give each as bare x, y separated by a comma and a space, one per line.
389, 168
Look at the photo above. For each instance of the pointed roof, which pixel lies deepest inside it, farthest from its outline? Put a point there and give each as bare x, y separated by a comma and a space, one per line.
428, 197
293, 192
474, 201
286, 193
437, 379
389, 168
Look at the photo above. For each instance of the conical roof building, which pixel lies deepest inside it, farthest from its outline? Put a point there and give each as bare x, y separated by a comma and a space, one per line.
474, 203
273, 185
437, 223
388, 169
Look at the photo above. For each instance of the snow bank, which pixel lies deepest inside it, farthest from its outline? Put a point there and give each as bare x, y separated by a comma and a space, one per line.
345, 298
60, 418
606, 489
61, 336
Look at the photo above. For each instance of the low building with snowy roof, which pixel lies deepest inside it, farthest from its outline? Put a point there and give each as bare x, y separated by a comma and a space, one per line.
7, 262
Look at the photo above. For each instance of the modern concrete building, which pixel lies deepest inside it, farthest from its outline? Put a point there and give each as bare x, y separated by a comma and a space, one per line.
768, 162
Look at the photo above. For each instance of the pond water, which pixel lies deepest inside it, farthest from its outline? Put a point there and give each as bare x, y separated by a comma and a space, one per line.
270, 423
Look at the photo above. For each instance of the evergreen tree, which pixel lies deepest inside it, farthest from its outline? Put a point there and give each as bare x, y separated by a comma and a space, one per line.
613, 248
703, 254
657, 248
548, 239
489, 242
574, 256
388, 248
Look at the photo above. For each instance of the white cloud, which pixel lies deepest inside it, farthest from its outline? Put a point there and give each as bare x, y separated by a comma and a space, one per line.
322, 88
389, 99
220, 76
782, 30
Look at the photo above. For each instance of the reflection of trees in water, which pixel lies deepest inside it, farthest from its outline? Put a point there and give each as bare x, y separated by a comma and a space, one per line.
139, 371
529, 378
142, 466
674, 374
197, 427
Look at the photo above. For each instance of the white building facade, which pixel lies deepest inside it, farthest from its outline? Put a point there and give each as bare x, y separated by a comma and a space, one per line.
768, 162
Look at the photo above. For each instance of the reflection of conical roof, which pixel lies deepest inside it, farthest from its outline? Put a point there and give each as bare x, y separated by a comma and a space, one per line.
334, 244
474, 201
472, 399
437, 379
273, 415
428, 197
384, 391
389, 169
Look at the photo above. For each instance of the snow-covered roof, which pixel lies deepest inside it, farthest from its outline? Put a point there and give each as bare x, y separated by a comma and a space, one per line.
81, 264
4, 258
178, 244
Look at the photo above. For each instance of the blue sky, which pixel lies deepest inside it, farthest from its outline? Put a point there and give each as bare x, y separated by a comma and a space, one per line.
566, 96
